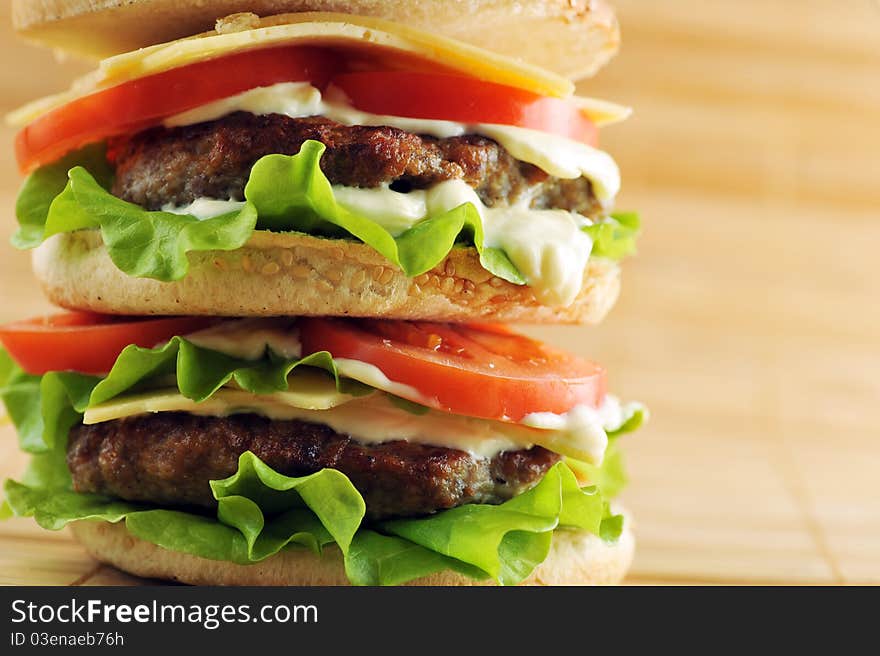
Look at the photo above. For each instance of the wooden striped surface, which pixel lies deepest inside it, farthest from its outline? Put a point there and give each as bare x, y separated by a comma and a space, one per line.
748, 322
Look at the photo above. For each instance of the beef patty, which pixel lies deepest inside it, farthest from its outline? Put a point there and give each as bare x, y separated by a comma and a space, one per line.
214, 160
168, 459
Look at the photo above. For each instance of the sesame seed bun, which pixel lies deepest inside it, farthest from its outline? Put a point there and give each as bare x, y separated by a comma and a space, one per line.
299, 275
576, 558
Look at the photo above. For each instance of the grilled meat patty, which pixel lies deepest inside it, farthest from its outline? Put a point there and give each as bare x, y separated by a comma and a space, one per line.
214, 159
168, 459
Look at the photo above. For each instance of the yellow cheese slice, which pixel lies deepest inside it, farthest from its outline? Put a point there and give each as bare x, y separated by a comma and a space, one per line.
318, 28
320, 403
602, 112
306, 390
382, 37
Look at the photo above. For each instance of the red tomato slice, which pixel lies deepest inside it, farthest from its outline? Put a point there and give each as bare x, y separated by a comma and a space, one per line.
85, 342
463, 99
133, 106
136, 105
477, 371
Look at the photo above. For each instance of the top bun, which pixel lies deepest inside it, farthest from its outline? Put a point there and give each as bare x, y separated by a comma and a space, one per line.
573, 38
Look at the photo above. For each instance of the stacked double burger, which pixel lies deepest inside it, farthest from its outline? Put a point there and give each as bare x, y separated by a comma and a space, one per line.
288, 248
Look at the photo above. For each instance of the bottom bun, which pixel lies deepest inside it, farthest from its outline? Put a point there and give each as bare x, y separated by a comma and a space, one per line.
576, 558
290, 274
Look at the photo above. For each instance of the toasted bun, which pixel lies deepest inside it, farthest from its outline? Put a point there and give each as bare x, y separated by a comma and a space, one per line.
576, 558
571, 37
293, 274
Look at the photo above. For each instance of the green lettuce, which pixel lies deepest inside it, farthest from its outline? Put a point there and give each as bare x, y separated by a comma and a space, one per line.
8, 368
44, 408
261, 512
283, 193
610, 476
141, 243
292, 193
32, 208
615, 237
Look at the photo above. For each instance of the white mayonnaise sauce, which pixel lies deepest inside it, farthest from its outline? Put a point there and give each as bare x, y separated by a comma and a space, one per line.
585, 425
371, 375
548, 247
204, 208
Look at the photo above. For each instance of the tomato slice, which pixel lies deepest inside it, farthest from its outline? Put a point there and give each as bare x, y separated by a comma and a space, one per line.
447, 97
476, 371
136, 105
85, 342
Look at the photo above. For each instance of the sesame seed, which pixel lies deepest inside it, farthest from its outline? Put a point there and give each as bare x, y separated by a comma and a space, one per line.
286, 258
387, 276
449, 269
270, 268
246, 263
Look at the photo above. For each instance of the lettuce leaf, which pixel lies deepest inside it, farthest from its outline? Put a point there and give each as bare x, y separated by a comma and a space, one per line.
260, 511
46, 183
610, 476
141, 243
283, 193
615, 237
378, 559
518, 531
637, 414
292, 193
44, 409
8, 368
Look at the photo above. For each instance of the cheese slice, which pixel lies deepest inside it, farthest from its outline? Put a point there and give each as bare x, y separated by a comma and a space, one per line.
307, 390
376, 418
320, 28
385, 40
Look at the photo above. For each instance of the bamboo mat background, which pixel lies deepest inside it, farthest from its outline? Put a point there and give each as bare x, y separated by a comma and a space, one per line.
748, 322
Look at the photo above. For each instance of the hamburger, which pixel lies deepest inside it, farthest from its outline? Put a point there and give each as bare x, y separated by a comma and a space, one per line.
288, 247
